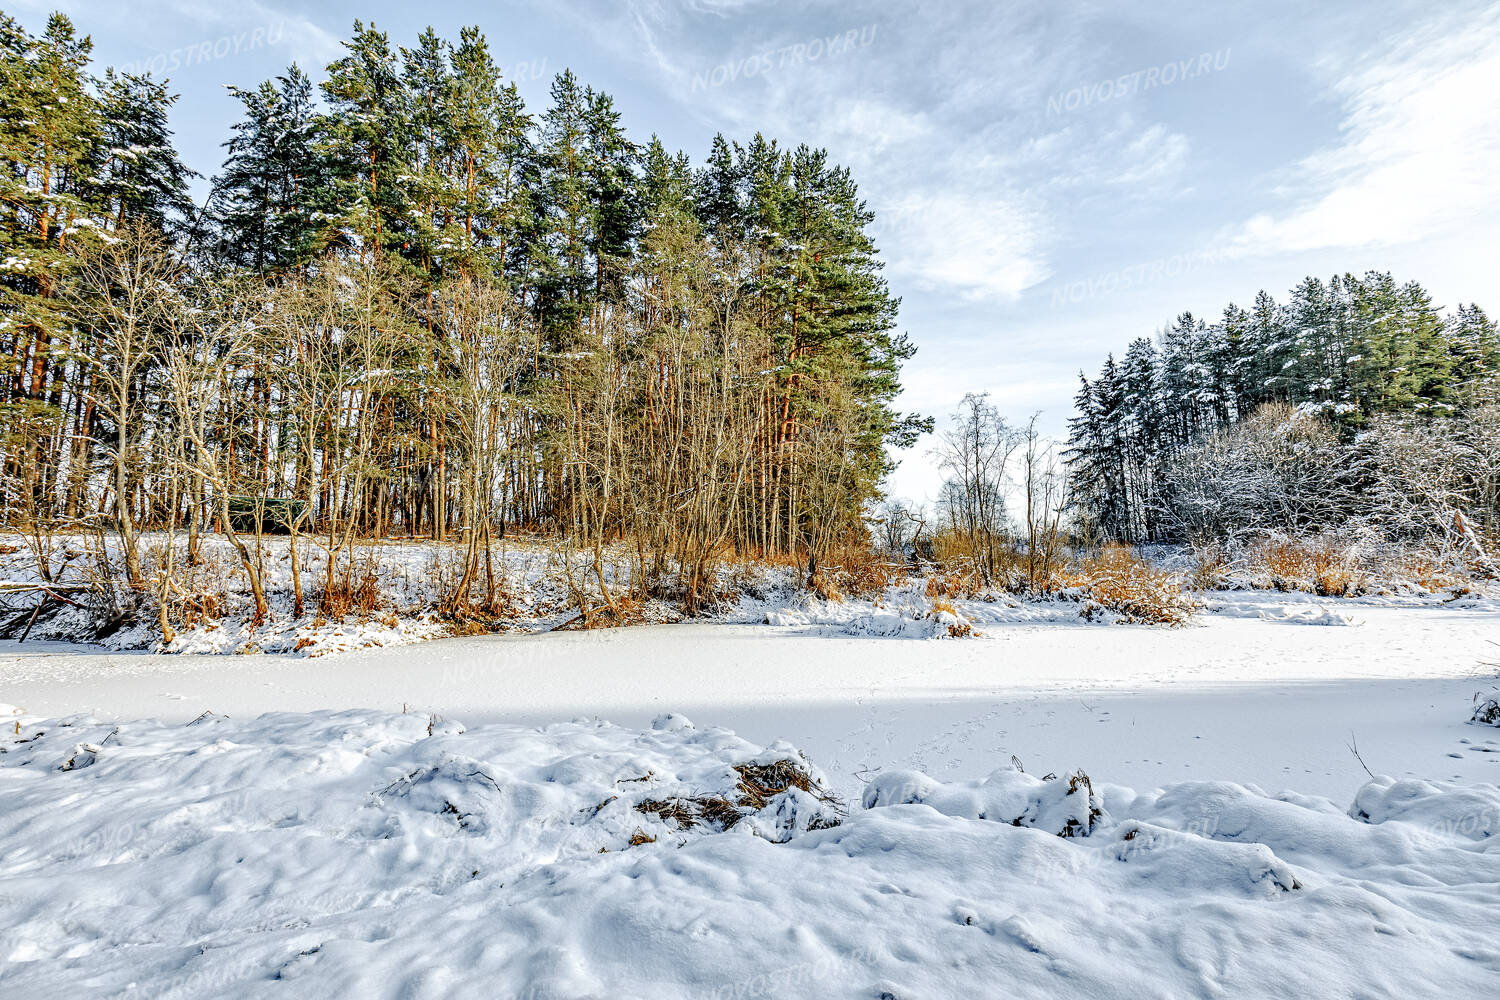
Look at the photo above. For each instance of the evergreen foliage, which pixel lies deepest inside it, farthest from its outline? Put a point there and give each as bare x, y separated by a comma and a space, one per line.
407, 215
1349, 350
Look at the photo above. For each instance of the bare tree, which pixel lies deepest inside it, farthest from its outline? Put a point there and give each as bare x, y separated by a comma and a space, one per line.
976, 452
122, 298
1044, 486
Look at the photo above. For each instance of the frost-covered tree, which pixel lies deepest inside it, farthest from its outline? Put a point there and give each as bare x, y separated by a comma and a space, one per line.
1349, 350
141, 177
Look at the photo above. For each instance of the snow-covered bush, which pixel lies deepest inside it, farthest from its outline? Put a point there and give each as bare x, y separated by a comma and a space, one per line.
1323, 565
1116, 579
1279, 470
1066, 806
1402, 484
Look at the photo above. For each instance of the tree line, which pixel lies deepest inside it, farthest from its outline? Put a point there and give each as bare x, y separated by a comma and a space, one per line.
410, 304
1162, 445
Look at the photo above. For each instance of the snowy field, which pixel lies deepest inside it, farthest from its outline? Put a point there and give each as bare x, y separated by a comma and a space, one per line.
424, 821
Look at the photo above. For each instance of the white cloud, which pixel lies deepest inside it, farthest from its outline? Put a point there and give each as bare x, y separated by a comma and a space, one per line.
1156, 156
944, 125
1419, 145
981, 246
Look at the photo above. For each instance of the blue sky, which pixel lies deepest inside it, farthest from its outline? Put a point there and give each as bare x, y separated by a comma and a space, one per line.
1050, 180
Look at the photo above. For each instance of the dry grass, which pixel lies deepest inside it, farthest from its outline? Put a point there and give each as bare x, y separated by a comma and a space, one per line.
854, 571
1486, 709
1120, 581
1079, 782
1321, 566
863, 574
196, 609
956, 630
356, 593
950, 582
1428, 572
688, 812
959, 575
825, 585
1211, 566
949, 548
758, 784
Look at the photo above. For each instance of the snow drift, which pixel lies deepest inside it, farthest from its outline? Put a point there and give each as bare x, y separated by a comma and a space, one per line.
377, 855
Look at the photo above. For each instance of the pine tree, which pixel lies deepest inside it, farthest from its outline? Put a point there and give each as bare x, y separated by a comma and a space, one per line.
367, 138
612, 192
670, 233
838, 313
265, 200
49, 141
518, 217
570, 222
718, 191
432, 188
141, 177
490, 153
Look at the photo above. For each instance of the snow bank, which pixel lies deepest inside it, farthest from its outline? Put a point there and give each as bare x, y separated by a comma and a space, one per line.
212, 612
1309, 616
1472, 812
373, 855
1068, 807
865, 619
905, 612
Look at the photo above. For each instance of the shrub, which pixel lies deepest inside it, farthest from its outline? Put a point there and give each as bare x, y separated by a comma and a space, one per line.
1117, 579
356, 592
1428, 571
950, 583
1211, 566
1486, 711
862, 573
1322, 565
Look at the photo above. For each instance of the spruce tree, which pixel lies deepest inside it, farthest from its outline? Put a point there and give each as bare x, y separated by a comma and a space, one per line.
1473, 350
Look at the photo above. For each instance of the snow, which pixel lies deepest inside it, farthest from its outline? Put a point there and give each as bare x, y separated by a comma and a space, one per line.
407, 572
1047, 806
379, 855
1322, 615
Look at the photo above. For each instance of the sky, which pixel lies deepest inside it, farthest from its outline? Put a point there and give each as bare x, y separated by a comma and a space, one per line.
1049, 180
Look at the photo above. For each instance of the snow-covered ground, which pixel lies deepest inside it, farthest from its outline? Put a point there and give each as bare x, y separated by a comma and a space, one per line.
1238, 848
1250, 693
